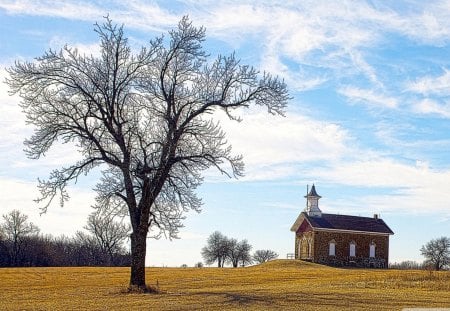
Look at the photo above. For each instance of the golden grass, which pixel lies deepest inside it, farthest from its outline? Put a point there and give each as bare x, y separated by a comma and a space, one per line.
277, 285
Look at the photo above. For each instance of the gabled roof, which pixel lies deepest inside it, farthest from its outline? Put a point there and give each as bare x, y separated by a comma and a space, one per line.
344, 223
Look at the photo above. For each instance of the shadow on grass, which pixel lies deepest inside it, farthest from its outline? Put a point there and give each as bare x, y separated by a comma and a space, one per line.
239, 298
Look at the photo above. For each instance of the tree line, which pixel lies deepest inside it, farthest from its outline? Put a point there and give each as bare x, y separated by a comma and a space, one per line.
436, 253
22, 244
224, 250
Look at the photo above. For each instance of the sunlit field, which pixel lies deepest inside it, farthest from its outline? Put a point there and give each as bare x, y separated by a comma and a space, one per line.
277, 285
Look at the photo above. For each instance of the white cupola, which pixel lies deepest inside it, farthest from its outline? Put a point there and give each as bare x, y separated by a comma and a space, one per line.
312, 203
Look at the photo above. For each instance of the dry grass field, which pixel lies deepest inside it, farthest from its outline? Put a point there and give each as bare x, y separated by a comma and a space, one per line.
277, 285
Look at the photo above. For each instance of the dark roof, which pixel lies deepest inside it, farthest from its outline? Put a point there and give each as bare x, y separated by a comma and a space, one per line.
346, 222
312, 192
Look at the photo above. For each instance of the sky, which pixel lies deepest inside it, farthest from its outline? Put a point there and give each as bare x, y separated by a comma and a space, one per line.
368, 123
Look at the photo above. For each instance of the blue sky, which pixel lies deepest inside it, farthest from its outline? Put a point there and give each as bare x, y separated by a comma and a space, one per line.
369, 122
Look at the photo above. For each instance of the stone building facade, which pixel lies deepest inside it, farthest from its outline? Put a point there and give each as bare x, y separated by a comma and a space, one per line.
340, 240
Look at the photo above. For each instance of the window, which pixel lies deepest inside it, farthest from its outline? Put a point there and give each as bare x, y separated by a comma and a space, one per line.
352, 249
372, 247
309, 249
304, 248
332, 248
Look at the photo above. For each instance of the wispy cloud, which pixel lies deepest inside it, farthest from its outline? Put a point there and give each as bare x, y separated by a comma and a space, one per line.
137, 14
417, 187
431, 85
430, 106
368, 97
80, 10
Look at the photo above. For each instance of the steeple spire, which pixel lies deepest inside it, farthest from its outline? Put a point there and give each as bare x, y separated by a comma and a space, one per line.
312, 203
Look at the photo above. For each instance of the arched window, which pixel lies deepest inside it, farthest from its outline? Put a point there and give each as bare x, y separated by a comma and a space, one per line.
304, 248
372, 247
309, 249
352, 249
332, 248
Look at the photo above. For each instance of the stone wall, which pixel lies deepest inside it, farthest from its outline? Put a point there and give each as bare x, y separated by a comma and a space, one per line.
320, 248
342, 249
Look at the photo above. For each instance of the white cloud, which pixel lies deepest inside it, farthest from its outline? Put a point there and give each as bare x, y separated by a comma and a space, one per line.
429, 106
58, 42
272, 145
429, 85
417, 187
66, 9
136, 14
369, 97
19, 194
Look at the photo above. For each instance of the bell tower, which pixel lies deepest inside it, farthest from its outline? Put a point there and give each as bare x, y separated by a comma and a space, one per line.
312, 203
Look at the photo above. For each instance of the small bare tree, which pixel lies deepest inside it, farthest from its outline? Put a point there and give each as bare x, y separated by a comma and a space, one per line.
109, 233
147, 119
437, 252
239, 252
261, 256
216, 249
244, 257
16, 229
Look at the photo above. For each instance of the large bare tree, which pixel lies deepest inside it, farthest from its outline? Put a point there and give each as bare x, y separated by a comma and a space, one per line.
146, 118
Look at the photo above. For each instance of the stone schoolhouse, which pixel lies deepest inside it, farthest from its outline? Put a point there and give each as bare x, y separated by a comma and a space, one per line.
340, 240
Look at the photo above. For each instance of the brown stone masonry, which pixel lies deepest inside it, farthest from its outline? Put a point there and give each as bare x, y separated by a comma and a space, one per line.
320, 241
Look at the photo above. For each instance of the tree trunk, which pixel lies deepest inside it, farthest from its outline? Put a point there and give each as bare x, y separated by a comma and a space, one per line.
138, 251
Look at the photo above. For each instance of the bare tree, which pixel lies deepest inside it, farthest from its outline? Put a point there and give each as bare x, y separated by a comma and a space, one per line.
261, 256
244, 256
238, 252
109, 233
405, 265
437, 252
232, 252
216, 249
146, 118
16, 229
199, 265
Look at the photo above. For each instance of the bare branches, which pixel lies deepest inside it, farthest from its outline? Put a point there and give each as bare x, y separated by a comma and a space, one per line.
147, 118
109, 233
437, 252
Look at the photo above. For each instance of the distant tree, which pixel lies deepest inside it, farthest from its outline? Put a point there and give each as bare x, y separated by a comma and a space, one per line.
17, 229
232, 252
216, 249
145, 118
184, 265
199, 264
87, 251
4, 255
244, 256
109, 233
239, 252
405, 265
437, 252
261, 256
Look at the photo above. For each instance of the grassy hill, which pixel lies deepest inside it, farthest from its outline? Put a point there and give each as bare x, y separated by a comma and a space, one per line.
279, 284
